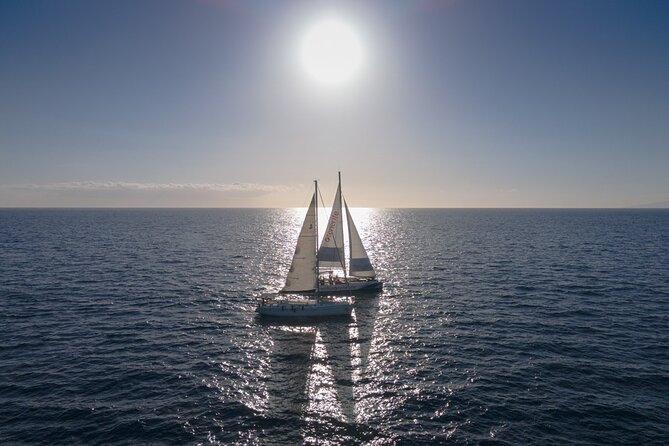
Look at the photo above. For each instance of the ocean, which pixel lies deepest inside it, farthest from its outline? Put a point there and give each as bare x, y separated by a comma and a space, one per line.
505, 327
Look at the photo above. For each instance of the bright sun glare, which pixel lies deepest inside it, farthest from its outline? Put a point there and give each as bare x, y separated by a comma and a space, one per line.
330, 52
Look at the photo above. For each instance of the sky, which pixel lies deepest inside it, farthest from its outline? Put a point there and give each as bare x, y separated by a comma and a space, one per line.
460, 103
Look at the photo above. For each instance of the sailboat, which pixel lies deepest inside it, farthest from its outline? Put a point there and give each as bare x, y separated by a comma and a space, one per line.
311, 270
360, 275
303, 276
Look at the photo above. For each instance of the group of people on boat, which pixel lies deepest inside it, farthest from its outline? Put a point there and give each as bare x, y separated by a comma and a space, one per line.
331, 279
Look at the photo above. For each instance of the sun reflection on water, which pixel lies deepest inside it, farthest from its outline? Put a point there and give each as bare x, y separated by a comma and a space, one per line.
329, 375
323, 373
321, 389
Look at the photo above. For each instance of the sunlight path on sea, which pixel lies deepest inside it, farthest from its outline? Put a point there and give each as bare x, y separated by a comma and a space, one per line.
338, 380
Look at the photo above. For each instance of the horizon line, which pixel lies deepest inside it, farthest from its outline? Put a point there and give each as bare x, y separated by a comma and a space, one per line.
639, 207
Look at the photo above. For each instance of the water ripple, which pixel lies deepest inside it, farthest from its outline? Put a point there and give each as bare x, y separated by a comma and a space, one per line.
495, 326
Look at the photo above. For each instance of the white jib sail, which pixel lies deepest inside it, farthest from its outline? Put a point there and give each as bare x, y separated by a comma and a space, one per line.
331, 252
302, 275
358, 264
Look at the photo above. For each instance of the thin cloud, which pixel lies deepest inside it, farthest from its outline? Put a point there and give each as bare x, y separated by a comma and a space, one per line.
127, 186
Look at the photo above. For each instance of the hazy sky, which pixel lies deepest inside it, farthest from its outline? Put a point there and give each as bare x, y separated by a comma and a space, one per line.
457, 103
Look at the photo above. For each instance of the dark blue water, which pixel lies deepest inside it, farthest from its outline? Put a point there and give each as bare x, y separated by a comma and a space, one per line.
495, 327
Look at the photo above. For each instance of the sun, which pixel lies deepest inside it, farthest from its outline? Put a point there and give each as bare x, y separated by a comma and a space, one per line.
330, 52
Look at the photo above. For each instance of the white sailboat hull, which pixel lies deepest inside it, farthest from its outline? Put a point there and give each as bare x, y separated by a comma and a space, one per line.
351, 287
305, 309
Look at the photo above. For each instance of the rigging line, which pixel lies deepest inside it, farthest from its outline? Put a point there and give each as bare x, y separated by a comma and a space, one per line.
321, 195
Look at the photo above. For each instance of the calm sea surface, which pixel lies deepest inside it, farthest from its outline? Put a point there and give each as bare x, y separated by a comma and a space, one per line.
495, 327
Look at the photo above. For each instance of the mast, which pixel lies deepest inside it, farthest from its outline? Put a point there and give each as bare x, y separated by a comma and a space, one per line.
318, 281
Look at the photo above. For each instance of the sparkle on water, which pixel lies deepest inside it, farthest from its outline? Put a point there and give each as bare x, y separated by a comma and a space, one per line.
137, 326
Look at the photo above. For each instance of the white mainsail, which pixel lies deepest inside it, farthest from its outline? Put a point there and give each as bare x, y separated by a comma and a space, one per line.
358, 264
303, 274
331, 252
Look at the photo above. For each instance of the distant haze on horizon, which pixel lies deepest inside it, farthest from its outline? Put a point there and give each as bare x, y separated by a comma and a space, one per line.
456, 104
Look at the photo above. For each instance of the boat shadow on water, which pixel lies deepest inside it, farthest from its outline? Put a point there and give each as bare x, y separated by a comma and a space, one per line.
314, 366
